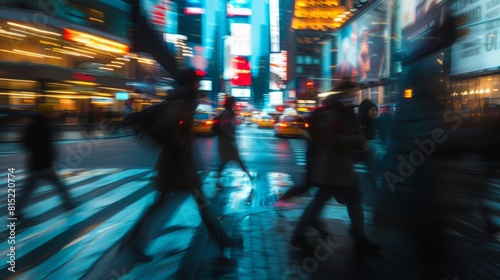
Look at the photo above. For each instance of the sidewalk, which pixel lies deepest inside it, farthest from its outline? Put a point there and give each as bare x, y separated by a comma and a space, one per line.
268, 255
267, 230
71, 133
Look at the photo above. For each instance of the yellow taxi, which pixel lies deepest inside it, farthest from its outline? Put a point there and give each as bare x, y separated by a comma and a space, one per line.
265, 121
202, 123
291, 125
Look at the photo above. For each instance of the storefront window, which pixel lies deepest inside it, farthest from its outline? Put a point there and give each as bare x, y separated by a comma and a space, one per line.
472, 95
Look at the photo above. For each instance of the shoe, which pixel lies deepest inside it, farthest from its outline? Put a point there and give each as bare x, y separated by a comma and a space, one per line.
300, 242
365, 245
234, 242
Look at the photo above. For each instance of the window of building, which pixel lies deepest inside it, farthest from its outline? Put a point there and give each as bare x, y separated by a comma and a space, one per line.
299, 70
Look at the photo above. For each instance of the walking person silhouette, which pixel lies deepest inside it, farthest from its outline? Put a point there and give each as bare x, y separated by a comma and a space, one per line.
177, 177
335, 132
226, 140
38, 140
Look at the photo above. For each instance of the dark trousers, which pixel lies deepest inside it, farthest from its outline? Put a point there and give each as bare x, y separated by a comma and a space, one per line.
296, 191
163, 209
35, 177
351, 196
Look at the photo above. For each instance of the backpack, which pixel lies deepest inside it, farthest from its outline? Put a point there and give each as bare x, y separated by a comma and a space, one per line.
159, 122
216, 127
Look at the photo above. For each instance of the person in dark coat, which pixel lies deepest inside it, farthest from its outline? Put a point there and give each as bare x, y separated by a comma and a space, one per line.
177, 177
367, 116
37, 140
226, 140
335, 133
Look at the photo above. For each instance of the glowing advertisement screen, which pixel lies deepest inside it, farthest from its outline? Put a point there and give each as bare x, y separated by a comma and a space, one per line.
423, 24
239, 8
415, 10
241, 92
364, 46
241, 34
194, 7
242, 74
162, 14
477, 46
198, 60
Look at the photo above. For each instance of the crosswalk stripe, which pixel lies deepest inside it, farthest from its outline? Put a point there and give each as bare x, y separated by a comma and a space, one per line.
78, 256
78, 260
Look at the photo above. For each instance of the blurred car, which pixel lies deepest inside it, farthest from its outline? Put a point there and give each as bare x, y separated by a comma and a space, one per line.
265, 121
202, 123
255, 118
291, 125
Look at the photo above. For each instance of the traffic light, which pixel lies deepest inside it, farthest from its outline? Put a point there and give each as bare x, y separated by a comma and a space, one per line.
310, 88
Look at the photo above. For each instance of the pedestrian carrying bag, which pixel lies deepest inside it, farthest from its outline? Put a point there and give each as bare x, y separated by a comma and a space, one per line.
160, 122
216, 127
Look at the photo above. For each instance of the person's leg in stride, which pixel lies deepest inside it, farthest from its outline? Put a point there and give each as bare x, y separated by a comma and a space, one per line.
242, 166
310, 215
164, 206
211, 222
218, 184
52, 177
29, 187
356, 215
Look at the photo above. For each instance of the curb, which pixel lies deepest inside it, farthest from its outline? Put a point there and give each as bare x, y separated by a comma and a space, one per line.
79, 139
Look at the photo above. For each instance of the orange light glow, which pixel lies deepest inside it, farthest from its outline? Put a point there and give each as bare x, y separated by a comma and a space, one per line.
307, 125
95, 42
408, 93
209, 122
283, 125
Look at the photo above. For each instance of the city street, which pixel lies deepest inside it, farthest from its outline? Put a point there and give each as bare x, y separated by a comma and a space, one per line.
109, 181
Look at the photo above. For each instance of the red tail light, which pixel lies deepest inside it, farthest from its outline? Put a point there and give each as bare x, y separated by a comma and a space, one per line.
209, 122
283, 125
306, 125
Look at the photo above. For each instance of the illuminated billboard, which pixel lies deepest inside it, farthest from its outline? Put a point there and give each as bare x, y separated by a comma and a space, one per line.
194, 7
275, 98
278, 70
196, 57
241, 92
161, 13
414, 10
242, 74
274, 25
239, 8
241, 34
425, 27
228, 63
364, 45
477, 47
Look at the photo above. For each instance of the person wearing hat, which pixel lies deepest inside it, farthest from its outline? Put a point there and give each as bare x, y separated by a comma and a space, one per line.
335, 133
37, 140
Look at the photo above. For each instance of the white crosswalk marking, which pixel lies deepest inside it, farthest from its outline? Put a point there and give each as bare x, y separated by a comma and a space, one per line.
102, 229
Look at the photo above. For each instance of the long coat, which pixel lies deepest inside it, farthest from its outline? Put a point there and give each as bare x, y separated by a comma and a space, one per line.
335, 133
38, 142
175, 165
226, 142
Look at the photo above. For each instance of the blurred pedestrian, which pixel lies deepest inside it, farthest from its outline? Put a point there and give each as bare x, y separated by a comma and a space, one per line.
177, 177
226, 140
367, 116
335, 133
37, 141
